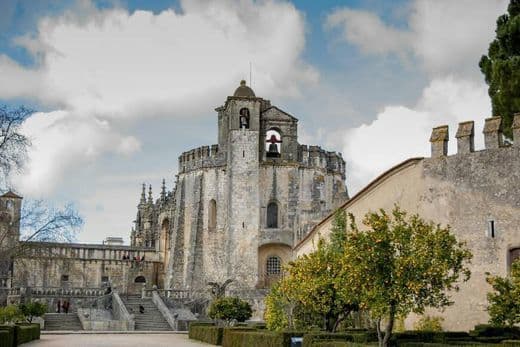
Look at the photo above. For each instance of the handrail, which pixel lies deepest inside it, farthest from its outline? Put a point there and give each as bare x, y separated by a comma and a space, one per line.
163, 309
120, 312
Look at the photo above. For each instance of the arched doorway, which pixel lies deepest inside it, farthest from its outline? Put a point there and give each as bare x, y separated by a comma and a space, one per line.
140, 279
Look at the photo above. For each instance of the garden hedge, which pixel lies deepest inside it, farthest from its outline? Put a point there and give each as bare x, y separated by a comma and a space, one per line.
248, 337
12, 336
6, 338
206, 333
489, 333
353, 336
9, 339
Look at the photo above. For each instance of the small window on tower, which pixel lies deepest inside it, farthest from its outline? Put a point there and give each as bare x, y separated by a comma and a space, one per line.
244, 118
64, 278
491, 230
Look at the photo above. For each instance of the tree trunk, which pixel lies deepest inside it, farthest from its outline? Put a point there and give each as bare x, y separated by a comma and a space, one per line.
389, 326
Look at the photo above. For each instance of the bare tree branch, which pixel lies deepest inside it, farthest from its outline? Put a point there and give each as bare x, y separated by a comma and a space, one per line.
13, 144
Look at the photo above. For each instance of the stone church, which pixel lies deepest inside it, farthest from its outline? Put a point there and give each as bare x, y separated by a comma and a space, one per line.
237, 209
239, 206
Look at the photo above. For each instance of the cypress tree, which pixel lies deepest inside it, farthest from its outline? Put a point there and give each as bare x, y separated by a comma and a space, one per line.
501, 67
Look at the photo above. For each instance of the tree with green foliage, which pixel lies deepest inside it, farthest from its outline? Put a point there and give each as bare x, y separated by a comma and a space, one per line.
10, 314
310, 292
229, 309
504, 300
501, 66
32, 310
400, 264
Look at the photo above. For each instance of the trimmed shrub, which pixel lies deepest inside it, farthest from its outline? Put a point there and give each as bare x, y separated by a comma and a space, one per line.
11, 335
430, 337
429, 323
206, 333
27, 333
332, 344
6, 338
506, 333
311, 339
230, 308
244, 337
511, 343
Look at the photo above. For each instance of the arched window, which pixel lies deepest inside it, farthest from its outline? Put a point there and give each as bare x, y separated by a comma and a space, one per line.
140, 279
514, 254
273, 266
272, 215
244, 118
212, 215
273, 141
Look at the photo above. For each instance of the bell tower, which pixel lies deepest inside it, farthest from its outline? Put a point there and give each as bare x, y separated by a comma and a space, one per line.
241, 114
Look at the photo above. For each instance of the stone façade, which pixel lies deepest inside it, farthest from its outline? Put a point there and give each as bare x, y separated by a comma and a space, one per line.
477, 193
214, 225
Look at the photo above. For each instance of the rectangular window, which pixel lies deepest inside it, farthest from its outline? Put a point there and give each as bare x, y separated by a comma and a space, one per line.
104, 279
491, 231
64, 278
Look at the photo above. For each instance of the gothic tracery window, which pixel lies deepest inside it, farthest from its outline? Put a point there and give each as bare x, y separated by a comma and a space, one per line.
273, 266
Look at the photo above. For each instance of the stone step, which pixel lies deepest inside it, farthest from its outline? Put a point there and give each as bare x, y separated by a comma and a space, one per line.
56, 321
151, 319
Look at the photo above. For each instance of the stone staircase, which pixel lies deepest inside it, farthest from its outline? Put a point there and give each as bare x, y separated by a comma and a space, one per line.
151, 320
62, 321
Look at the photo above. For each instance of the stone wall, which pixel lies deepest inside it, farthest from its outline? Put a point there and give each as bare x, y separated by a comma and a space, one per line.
466, 191
85, 266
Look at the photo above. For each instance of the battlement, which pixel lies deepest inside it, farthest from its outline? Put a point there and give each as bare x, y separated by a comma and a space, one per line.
205, 156
493, 136
315, 156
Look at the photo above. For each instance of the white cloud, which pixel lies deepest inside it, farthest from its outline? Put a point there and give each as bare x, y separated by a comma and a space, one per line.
447, 37
367, 31
61, 143
100, 69
401, 132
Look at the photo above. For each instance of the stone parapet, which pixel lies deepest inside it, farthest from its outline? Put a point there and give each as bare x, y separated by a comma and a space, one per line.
202, 157
493, 136
316, 157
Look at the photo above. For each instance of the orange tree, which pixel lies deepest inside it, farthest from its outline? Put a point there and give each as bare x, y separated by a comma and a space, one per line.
309, 292
400, 264
504, 300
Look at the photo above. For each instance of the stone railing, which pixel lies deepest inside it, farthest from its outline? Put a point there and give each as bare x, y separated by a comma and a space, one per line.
167, 293
60, 292
159, 303
120, 312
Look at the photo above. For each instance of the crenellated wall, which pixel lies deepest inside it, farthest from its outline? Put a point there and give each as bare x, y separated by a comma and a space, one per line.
316, 157
201, 157
468, 191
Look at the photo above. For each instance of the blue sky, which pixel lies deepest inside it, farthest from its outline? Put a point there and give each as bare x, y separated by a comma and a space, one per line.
123, 87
